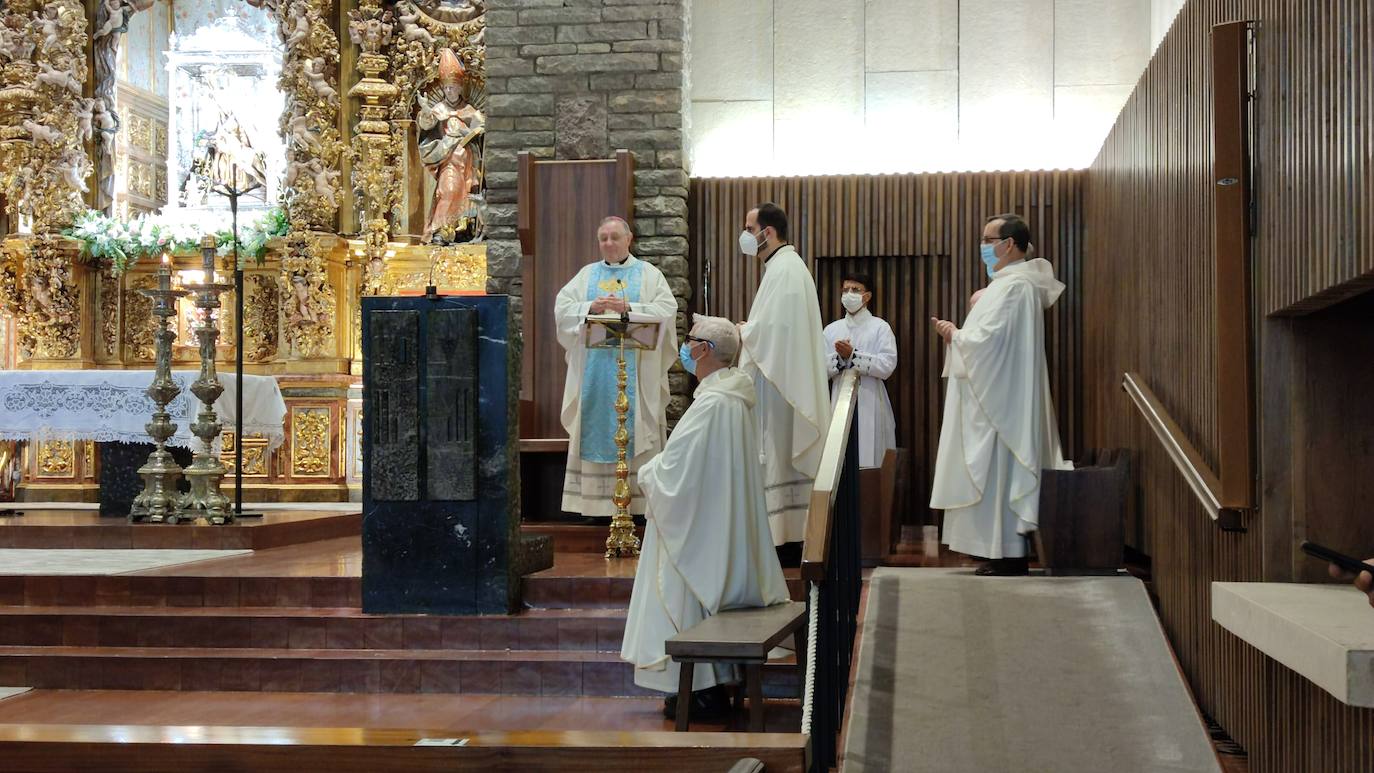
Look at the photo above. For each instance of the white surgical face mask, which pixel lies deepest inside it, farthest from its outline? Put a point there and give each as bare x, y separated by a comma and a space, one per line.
748, 243
852, 301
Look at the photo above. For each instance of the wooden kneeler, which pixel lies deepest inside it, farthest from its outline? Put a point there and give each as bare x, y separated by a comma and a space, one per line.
738, 637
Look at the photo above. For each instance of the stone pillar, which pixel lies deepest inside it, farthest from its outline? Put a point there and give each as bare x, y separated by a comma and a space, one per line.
582, 82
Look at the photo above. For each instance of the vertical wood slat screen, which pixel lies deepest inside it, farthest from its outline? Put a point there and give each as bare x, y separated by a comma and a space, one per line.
917, 236
1150, 300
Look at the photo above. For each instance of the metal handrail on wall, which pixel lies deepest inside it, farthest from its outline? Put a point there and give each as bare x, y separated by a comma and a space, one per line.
831, 567
1204, 483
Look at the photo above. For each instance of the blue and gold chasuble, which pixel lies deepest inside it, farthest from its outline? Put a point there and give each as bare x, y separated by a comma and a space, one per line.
599, 370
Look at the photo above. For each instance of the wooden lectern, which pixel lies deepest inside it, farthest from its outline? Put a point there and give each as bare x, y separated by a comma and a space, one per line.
561, 204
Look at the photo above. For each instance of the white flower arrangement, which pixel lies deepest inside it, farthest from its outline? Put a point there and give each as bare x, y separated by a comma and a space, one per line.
122, 243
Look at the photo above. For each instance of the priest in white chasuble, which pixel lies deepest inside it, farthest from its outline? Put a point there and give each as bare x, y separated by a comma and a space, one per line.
785, 353
999, 428
707, 545
617, 284
864, 343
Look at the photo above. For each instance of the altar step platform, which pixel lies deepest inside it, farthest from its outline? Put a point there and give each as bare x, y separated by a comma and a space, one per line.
290, 619
85, 528
265, 661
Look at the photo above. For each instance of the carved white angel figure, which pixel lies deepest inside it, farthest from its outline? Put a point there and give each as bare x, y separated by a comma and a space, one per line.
409, 16
315, 73
369, 34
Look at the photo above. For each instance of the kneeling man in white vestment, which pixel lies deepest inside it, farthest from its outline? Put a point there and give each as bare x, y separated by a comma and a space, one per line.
998, 430
707, 545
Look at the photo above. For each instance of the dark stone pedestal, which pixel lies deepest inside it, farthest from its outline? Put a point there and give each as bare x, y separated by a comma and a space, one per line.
441, 481
119, 480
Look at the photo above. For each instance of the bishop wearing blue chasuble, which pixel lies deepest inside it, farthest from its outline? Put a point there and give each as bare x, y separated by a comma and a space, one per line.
617, 283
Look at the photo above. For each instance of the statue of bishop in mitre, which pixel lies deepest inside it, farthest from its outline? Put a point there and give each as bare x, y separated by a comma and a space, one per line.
449, 148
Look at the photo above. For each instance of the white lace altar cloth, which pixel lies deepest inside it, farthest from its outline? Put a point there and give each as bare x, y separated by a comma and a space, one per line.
110, 405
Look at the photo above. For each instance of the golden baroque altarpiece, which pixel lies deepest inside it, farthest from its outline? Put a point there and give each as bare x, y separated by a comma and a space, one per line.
361, 210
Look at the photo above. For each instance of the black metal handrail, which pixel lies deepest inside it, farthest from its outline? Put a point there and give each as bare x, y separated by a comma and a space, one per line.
831, 565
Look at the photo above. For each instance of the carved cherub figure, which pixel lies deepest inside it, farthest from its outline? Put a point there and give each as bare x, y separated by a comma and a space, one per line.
85, 113
57, 78
114, 18
104, 118
409, 16
315, 73
369, 34
299, 129
325, 182
15, 43
301, 310
51, 30
300, 30
41, 132
70, 175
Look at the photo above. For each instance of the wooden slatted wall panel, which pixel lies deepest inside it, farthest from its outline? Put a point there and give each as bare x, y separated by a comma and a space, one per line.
917, 235
1149, 303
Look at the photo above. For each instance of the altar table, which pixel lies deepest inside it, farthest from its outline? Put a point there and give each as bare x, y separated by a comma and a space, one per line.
110, 406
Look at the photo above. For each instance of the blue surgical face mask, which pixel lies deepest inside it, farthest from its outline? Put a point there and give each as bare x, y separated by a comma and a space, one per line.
989, 255
684, 353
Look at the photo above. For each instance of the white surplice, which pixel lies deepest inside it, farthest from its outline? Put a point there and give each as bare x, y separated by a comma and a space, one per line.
874, 358
784, 352
707, 546
588, 485
999, 429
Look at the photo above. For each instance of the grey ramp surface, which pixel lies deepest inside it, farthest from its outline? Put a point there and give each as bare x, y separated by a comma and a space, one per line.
965, 674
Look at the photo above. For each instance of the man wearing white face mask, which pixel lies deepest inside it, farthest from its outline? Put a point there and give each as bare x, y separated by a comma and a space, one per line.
707, 546
999, 429
784, 352
864, 343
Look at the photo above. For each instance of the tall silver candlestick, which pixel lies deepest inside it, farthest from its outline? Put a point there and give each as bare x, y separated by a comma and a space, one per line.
206, 470
161, 472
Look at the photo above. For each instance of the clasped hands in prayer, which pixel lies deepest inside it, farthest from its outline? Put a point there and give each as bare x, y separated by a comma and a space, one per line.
610, 303
845, 349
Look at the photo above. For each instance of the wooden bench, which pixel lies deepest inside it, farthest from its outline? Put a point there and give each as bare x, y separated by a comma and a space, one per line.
740, 637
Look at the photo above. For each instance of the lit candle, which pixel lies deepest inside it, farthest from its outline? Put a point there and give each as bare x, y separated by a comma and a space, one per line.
164, 273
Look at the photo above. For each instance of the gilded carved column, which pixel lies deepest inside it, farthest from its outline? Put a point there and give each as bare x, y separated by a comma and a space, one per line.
376, 147
44, 123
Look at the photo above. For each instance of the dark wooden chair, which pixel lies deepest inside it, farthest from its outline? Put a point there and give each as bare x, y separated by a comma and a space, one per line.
739, 637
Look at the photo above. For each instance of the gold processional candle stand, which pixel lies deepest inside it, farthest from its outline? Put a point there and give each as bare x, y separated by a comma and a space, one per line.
610, 331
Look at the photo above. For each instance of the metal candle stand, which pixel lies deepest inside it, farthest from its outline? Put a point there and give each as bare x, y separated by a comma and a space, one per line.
158, 502
206, 471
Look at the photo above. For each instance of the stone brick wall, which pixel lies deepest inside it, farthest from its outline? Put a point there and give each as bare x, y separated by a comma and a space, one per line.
578, 79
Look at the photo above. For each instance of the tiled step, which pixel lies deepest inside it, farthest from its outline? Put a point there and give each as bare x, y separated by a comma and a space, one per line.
338, 670
308, 628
